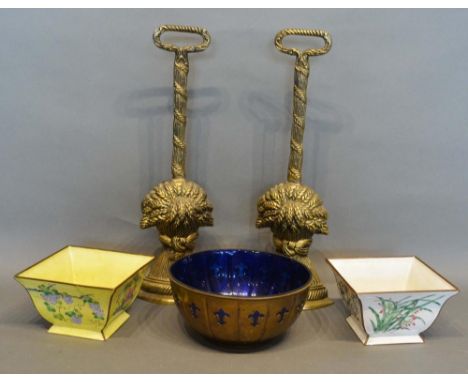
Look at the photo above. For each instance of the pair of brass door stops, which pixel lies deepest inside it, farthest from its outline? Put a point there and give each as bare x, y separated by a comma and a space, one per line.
178, 207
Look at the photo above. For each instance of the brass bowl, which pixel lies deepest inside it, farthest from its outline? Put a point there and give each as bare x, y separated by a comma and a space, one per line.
239, 296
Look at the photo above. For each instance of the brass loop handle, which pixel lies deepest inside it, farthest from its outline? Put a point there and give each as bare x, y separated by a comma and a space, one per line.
185, 29
303, 32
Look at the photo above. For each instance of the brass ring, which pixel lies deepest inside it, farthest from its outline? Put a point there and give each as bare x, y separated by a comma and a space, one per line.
303, 32
185, 29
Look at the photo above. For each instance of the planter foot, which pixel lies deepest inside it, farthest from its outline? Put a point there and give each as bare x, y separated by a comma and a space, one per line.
381, 340
110, 329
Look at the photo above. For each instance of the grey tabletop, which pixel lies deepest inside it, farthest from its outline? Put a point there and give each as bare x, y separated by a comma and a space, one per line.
86, 129
155, 339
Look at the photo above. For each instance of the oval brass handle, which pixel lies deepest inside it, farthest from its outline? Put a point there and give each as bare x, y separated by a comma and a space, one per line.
303, 32
185, 29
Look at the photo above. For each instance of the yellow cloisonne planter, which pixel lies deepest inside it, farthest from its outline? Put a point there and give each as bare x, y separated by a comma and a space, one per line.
84, 292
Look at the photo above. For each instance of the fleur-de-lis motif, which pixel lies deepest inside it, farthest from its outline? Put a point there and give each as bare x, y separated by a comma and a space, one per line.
281, 314
194, 309
220, 315
216, 269
300, 307
240, 270
255, 317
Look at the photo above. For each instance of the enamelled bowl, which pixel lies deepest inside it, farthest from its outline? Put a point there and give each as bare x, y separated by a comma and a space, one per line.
239, 296
85, 292
391, 300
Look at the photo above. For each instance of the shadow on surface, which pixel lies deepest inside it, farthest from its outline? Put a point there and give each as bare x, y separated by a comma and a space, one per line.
151, 110
24, 314
330, 322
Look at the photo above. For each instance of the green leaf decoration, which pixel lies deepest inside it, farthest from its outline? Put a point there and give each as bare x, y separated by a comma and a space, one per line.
420, 319
402, 314
377, 318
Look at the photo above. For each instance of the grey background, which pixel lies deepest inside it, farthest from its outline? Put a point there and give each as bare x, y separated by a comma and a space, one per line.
86, 124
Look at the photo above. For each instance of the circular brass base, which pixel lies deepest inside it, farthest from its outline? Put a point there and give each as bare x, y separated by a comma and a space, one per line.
318, 295
156, 287
318, 304
156, 298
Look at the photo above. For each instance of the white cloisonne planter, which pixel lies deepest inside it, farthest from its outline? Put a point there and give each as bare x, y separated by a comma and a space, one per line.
391, 299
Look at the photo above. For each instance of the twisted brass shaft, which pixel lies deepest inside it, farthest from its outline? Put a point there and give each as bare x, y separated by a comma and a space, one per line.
181, 69
301, 77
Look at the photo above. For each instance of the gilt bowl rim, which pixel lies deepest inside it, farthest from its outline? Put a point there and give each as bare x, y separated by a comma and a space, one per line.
295, 291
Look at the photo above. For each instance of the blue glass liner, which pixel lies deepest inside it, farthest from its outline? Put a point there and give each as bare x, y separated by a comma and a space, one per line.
242, 273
